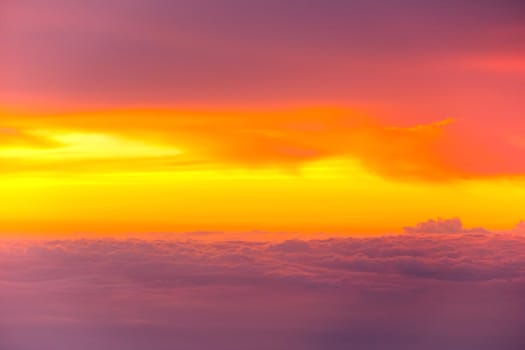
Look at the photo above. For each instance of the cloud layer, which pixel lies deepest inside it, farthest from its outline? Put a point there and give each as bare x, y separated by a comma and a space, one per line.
462, 291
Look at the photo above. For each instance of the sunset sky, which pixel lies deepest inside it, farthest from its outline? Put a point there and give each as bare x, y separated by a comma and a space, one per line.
262, 174
358, 117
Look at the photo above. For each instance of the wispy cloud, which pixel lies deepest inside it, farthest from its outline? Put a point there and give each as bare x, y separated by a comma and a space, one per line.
285, 138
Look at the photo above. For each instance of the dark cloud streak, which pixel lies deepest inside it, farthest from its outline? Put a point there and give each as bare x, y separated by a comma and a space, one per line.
171, 52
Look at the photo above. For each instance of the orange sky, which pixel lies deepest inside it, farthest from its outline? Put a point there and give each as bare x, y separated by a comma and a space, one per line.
317, 170
337, 117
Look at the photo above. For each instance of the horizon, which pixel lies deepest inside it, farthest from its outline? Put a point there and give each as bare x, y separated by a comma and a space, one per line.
262, 174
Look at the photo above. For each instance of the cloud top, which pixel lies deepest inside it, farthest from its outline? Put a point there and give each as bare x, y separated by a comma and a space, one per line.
453, 225
397, 292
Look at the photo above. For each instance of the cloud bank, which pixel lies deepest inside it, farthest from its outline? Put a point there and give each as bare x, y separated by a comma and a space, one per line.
418, 291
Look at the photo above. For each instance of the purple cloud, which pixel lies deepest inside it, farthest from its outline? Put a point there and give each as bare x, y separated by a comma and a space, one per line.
453, 225
397, 292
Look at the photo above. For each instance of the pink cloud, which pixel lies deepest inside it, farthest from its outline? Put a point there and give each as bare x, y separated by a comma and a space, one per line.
453, 225
398, 292
508, 65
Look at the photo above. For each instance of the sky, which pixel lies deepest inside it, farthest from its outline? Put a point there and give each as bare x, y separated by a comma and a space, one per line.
348, 117
262, 174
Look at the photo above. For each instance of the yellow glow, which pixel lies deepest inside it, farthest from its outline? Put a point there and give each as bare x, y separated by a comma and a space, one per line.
85, 145
331, 197
229, 173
